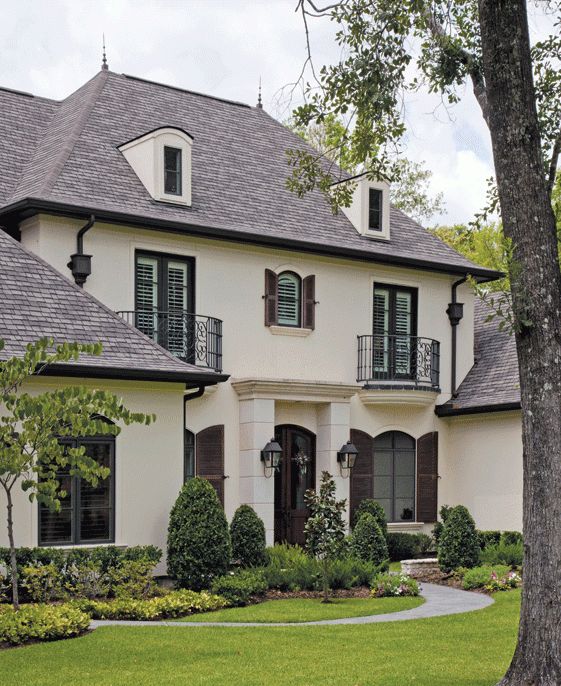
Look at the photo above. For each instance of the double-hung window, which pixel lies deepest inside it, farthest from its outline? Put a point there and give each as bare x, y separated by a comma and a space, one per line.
394, 331
394, 475
165, 300
87, 512
172, 171
375, 209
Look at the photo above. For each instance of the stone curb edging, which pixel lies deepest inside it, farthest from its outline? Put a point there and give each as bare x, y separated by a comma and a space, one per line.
439, 601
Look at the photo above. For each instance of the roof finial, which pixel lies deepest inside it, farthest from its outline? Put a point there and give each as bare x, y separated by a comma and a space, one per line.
104, 64
259, 101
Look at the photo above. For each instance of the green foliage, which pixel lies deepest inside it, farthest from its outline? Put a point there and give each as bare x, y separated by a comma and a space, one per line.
487, 538
385, 585
239, 588
350, 572
41, 623
437, 529
133, 579
479, 577
375, 509
459, 544
247, 532
367, 541
512, 538
403, 546
199, 547
504, 554
86, 579
42, 583
174, 604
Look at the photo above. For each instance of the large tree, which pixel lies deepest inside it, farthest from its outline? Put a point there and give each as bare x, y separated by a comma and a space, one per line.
391, 47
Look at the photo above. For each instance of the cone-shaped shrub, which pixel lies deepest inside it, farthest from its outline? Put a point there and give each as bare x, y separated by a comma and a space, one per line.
375, 509
367, 541
247, 532
458, 545
199, 546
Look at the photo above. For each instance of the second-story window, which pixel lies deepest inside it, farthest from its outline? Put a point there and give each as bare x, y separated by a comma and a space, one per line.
172, 171
289, 299
375, 197
394, 326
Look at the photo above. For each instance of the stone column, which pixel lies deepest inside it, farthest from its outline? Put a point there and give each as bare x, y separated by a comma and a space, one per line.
257, 427
333, 432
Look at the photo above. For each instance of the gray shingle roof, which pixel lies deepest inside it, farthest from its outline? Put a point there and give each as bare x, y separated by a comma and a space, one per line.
37, 301
493, 381
239, 171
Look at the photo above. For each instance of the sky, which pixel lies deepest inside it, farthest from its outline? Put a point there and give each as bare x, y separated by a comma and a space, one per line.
223, 48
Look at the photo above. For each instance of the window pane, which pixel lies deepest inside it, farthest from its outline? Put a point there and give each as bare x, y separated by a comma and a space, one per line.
96, 501
289, 300
404, 510
383, 460
147, 296
404, 486
56, 527
404, 463
375, 210
382, 487
172, 171
386, 503
189, 456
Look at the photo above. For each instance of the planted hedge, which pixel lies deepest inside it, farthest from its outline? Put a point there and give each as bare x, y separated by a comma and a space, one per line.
247, 532
240, 587
40, 623
367, 541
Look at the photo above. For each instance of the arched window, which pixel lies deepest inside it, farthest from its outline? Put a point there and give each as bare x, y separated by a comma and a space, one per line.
188, 456
394, 475
289, 299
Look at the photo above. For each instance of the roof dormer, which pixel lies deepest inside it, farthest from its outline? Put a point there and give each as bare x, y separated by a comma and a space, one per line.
162, 161
369, 211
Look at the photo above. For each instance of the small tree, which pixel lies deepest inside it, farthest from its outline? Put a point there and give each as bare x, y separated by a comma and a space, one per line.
368, 542
31, 427
247, 532
199, 547
459, 543
325, 528
375, 509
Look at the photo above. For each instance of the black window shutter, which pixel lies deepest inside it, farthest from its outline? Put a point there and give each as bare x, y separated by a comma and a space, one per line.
362, 474
309, 293
209, 447
427, 477
271, 300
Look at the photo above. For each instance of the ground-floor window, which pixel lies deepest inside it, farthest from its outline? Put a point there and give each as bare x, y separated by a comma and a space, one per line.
394, 475
87, 512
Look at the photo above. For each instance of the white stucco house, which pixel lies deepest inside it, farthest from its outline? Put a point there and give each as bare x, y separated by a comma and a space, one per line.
157, 220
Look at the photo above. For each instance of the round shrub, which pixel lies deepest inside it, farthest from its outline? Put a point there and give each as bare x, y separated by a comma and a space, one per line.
199, 546
375, 509
247, 532
367, 541
403, 546
459, 543
41, 623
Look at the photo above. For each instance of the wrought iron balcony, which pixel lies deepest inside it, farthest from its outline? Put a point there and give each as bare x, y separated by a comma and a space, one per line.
399, 359
194, 338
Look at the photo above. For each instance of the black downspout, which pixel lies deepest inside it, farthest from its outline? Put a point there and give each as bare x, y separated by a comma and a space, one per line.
80, 264
455, 313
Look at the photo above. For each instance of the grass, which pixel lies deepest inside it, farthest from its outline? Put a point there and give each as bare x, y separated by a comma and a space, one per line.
395, 566
307, 610
472, 649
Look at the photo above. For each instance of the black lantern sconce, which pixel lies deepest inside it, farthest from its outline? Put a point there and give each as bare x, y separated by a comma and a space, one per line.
271, 457
346, 458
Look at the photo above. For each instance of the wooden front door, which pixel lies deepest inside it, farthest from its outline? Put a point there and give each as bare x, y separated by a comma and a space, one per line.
295, 476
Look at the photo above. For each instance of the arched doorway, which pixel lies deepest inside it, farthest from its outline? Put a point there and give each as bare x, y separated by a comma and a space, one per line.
295, 476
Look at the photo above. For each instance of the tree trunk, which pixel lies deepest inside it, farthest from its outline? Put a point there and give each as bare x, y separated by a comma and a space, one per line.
325, 569
536, 285
13, 562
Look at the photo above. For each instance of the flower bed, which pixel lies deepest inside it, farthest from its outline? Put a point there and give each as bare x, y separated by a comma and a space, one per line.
388, 585
40, 623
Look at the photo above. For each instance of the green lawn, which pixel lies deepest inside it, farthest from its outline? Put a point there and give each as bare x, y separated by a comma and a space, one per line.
306, 610
472, 649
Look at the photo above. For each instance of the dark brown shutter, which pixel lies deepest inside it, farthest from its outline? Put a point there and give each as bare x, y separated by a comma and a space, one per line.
362, 474
309, 293
427, 477
210, 457
271, 299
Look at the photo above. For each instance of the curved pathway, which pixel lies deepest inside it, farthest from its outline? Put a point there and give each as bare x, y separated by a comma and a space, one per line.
439, 601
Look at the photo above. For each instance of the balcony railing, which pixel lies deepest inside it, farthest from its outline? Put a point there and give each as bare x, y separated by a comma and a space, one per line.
400, 359
194, 338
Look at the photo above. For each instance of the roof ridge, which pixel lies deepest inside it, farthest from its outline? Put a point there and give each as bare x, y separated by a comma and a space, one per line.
98, 81
92, 298
186, 90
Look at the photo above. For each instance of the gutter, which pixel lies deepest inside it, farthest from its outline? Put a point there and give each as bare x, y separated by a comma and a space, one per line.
455, 314
81, 265
31, 206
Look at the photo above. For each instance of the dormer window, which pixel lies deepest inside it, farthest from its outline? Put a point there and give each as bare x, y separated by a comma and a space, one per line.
162, 161
375, 196
172, 170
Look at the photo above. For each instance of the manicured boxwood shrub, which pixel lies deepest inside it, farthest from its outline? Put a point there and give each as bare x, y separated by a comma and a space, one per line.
459, 544
367, 540
238, 588
402, 546
175, 604
375, 509
247, 532
41, 623
199, 547
487, 538
391, 585
511, 538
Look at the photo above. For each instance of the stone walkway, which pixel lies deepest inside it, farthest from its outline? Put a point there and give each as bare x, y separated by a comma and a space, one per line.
439, 601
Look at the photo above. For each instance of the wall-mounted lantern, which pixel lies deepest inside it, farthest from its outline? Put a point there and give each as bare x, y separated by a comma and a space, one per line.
455, 313
346, 458
271, 457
